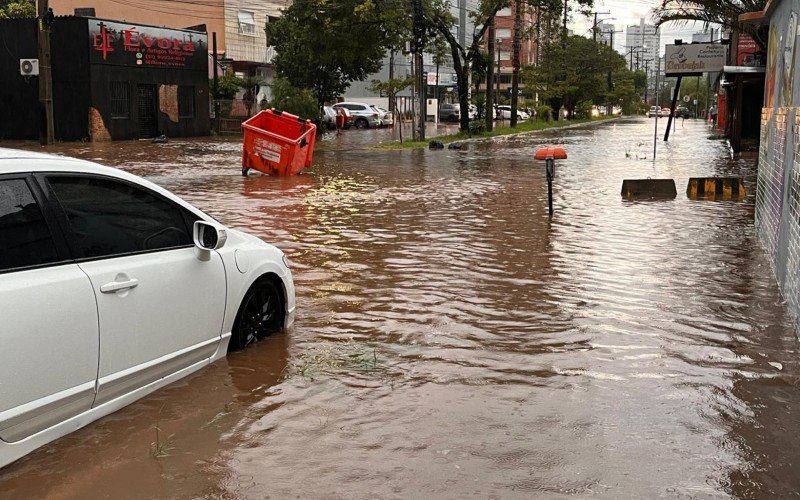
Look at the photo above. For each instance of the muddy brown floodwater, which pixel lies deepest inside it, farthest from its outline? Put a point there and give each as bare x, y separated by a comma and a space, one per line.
453, 342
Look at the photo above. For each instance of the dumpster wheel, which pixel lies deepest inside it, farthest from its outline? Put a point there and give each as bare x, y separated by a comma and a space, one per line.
244, 171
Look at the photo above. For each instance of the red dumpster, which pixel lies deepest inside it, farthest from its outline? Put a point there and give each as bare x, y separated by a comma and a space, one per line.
277, 143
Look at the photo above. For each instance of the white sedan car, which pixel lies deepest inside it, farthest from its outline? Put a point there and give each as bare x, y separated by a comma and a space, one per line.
504, 112
112, 287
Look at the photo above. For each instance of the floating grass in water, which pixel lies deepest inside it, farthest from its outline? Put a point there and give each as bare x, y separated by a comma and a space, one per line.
162, 445
338, 357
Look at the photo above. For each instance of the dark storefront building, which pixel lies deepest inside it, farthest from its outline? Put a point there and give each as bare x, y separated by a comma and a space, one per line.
111, 81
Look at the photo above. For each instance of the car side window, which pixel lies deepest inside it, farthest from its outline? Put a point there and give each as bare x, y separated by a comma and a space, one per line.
109, 217
25, 239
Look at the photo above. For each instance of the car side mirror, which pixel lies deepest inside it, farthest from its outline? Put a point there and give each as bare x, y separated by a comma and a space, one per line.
208, 237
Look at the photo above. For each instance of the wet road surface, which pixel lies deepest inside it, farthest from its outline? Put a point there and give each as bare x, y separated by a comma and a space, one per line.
452, 341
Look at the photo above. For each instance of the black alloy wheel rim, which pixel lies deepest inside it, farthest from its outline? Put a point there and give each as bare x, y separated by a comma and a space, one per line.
260, 316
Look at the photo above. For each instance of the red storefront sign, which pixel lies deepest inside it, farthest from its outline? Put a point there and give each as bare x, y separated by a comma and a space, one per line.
122, 44
747, 52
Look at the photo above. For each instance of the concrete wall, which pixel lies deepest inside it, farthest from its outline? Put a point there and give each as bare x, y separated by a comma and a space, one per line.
778, 191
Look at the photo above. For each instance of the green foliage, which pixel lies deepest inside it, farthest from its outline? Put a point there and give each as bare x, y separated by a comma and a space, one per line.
323, 45
228, 85
300, 102
477, 126
17, 9
581, 70
583, 109
392, 86
544, 113
479, 100
724, 12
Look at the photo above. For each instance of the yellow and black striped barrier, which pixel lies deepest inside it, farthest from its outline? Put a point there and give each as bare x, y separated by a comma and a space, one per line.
715, 188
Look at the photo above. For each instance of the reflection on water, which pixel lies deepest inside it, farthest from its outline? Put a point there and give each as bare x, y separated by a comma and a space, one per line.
453, 341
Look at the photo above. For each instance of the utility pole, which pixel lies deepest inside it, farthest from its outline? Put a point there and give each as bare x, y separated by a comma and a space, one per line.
516, 62
489, 76
215, 90
45, 19
392, 109
419, 46
646, 78
497, 82
594, 26
564, 33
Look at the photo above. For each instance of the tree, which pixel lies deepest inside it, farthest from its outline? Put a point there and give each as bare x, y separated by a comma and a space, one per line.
300, 102
723, 12
229, 85
323, 45
17, 9
580, 70
438, 17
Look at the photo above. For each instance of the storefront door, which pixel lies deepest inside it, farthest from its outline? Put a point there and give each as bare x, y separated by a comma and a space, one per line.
148, 117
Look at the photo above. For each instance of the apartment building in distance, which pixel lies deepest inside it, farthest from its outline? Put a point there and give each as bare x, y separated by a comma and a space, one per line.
504, 45
642, 50
642, 43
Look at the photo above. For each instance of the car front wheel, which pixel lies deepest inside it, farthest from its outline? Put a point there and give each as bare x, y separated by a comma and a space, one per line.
260, 315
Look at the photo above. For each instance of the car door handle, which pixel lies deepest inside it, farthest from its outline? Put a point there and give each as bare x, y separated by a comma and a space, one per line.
116, 286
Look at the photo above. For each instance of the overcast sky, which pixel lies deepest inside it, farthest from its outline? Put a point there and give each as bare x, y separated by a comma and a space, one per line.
627, 12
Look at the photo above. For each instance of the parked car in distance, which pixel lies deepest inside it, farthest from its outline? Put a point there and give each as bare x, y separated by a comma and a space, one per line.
386, 118
504, 112
654, 111
363, 114
112, 287
683, 112
329, 117
665, 112
449, 113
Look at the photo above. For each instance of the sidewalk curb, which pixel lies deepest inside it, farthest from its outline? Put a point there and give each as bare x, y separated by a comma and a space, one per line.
554, 129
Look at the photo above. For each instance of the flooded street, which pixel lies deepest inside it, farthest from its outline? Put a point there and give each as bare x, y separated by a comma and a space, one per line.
452, 341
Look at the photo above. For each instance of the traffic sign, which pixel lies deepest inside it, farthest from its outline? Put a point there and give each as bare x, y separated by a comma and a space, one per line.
686, 98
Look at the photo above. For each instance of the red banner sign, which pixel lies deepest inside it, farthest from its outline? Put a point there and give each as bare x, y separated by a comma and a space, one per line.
122, 44
748, 53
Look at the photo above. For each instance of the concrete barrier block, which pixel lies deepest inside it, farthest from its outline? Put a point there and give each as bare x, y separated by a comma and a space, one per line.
649, 188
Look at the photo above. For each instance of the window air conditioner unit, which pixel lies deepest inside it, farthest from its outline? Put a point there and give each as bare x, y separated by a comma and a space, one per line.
29, 67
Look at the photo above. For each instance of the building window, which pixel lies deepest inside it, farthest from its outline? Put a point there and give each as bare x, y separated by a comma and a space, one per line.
185, 102
503, 33
120, 100
247, 23
504, 12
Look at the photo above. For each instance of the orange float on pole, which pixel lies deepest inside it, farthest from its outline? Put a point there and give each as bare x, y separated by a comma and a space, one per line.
550, 154
554, 152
